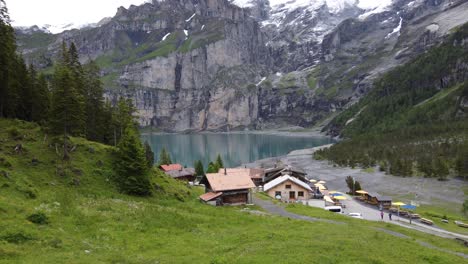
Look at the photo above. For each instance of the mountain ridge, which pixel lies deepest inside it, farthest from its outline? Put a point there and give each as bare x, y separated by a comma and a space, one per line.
193, 80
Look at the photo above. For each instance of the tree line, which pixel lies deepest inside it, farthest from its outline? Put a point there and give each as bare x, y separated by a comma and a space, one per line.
71, 103
414, 121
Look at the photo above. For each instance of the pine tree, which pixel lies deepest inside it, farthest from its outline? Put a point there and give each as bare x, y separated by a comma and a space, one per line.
199, 170
41, 103
7, 56
94, 101
67, 106
462, 161
219, 162
149, 154
131, 165
211, 168
164, 157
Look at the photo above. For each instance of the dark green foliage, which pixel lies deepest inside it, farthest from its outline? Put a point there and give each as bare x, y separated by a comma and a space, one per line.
353, 185
164, 157
68, 106
413, 121
199, 170
462, 161
38, 218
17, 238
211, 168
131, 165
465, 207
149, 154
94, 101
219, 162
41, 104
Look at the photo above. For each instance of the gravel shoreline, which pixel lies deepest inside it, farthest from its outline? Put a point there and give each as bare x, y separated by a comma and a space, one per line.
419, 189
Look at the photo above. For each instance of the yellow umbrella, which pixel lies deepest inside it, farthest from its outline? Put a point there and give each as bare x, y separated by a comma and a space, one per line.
362, 192
312, 180
398, 204
340, 198
322, 182
331, 192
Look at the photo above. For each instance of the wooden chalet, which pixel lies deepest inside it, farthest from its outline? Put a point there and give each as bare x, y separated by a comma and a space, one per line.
178, 172
287, 188
254, 173
273, 173
225, 188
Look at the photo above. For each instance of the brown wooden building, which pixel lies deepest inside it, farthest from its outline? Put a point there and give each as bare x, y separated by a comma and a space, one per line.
379, 200
255, 174
227, 188
273, 173
178, 172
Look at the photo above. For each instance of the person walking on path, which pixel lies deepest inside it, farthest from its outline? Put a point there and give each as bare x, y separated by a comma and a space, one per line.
390, 216
381, 214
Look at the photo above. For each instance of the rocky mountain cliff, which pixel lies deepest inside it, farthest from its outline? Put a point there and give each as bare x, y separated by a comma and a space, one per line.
194, 65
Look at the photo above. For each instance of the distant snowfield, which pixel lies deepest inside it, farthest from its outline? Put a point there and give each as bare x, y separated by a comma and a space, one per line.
333, 5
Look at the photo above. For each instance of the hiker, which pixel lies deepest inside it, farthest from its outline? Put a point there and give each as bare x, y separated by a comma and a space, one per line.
390, 216
381, 214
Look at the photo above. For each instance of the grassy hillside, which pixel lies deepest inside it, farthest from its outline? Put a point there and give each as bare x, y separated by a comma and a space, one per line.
88, 221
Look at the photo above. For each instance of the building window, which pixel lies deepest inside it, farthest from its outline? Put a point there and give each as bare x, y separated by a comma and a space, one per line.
300, 194
277, 194
288, 186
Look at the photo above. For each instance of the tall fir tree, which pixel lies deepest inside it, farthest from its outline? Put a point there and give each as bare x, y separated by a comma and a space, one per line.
199, 170
131, 165
67, 115
41, 104
94, 102
7, 56
164, 157
462, 161
149, 155
219, 162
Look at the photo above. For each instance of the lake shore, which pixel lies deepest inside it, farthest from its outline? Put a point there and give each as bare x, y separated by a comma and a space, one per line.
426, 191
286, 131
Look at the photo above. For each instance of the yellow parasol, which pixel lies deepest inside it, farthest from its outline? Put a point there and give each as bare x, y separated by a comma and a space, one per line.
362, 192
340, 198
312, 180
332, 192
398, 204
322, 182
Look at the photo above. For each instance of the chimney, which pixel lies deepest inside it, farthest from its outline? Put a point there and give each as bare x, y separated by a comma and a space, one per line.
225, 172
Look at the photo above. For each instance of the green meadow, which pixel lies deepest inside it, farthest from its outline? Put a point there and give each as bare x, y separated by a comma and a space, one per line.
71, 212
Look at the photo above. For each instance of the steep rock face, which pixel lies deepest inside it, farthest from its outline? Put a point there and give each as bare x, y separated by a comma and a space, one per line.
212, 65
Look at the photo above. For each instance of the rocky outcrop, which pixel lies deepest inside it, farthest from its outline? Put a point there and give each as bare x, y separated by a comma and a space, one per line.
194, 65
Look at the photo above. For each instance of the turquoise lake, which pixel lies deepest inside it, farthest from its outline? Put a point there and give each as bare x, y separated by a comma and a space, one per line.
234, 148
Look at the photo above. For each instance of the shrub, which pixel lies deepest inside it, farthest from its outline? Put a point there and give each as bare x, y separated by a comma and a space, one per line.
38, 218
17, 238
14, 133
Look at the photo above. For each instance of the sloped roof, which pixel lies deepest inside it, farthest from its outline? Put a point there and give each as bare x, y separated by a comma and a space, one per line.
284, 178
230, 181
181, 173
253, 173
210, 196
171, 167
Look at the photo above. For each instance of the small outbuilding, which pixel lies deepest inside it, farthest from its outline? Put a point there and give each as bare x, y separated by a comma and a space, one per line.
288, 188
178, 172
382, 201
